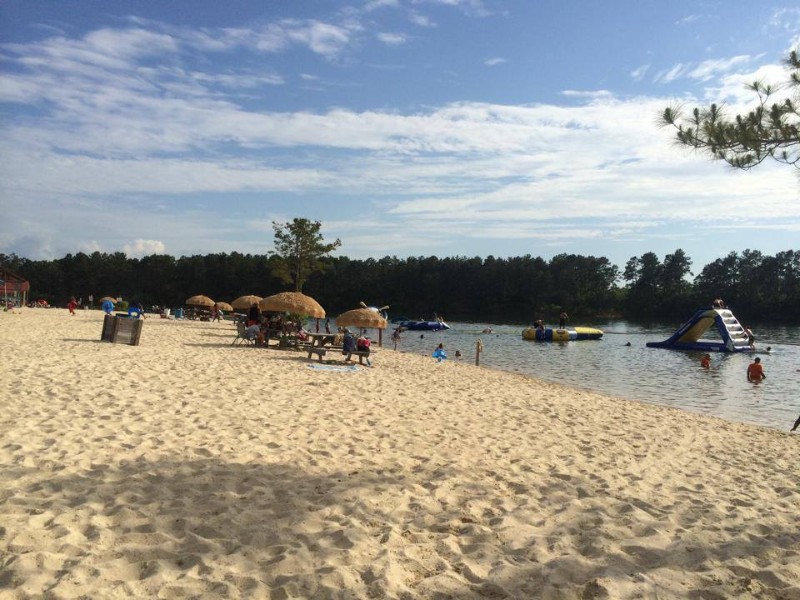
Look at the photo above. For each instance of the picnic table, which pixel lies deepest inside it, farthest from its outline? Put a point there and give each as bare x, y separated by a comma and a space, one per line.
322, 342
319, 344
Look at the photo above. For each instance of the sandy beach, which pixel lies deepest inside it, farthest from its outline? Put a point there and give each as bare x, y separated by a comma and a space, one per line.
189, 468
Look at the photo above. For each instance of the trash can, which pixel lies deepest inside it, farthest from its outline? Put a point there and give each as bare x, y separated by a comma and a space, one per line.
121, 329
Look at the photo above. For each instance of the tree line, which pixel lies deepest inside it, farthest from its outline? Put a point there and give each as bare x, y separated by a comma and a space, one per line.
757, 287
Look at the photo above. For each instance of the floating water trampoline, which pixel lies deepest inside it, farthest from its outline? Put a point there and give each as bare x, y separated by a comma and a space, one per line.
548, 334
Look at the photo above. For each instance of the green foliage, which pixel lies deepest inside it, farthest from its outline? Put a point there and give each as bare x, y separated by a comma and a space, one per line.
515, 289
300, 248
744, 141
655, 288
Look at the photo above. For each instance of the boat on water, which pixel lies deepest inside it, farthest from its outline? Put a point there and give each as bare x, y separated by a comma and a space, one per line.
436, 324
549, 334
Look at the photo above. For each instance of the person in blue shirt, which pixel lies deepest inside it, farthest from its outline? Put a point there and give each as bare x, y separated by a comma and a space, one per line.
348, 344
439, 354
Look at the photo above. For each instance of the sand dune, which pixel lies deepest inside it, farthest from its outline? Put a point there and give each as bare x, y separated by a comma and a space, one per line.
187, 467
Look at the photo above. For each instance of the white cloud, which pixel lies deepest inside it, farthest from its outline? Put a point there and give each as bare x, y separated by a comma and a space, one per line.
638, 73
392, 39
376, 4
322, 38
491, 62
709, 69
671, 74
589, 95
733, 88
687, 19
785, 20
141, 248
106, 132
473, 8
89, 247
421, 20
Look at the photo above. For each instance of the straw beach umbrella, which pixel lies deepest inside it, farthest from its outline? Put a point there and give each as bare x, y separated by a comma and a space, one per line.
202, 301
224, 306
109, 298
245, 302
364, 318
361, 317
293, 302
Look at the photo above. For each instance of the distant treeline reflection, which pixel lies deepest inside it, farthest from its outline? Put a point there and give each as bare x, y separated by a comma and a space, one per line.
515, 290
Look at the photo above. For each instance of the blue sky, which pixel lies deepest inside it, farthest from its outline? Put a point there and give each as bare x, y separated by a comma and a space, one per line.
407, 127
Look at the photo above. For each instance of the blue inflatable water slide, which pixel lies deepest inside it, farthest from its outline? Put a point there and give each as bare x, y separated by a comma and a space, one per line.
732, 335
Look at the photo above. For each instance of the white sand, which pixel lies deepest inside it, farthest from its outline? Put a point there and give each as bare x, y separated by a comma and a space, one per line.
187, 467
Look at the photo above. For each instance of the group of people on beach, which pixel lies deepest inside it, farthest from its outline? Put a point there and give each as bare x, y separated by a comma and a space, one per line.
258, 327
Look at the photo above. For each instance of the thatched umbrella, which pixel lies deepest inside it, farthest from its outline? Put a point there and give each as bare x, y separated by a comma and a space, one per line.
224, 306
364, 318
361, 317
245, 302
109, 298
202, 301
293, 302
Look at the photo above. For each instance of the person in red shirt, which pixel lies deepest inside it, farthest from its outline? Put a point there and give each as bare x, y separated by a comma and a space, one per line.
71, 306
705, 362
755, 372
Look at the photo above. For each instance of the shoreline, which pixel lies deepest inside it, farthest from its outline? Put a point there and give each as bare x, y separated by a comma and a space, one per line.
186, 466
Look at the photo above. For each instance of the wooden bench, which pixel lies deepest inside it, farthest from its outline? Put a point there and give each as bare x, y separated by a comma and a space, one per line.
361, 357
320, 352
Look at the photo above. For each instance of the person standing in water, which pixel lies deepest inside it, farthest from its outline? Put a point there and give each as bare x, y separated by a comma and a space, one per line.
705, 362
751, 339
755, 372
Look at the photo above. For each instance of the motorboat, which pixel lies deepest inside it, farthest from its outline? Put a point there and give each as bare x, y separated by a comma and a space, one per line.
420, 325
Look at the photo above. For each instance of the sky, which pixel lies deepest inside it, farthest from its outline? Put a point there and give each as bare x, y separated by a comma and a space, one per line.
406, 127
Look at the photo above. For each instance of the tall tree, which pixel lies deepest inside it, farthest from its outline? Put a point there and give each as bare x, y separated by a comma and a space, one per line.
300, 247
745, 141
643, 275
674, 270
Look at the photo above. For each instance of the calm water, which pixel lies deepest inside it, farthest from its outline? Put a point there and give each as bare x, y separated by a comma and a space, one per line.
668, 377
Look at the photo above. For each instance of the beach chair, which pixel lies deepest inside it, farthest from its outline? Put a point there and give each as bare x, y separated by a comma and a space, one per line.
241, 335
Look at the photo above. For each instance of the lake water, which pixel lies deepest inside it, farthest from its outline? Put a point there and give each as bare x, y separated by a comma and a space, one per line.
666, 377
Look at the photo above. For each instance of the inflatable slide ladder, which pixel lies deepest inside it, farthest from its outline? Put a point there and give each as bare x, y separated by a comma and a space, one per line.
733, 337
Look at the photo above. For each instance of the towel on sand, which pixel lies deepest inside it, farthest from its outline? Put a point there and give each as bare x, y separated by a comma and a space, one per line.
341, 368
